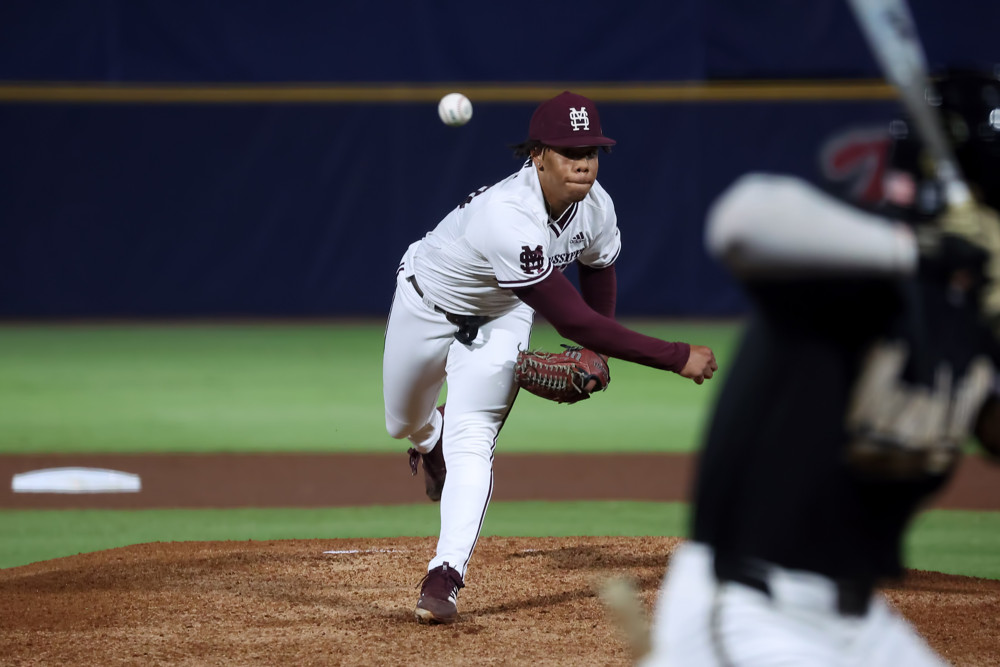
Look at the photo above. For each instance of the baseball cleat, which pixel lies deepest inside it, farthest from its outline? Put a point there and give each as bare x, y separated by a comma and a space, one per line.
434, 467
438, 601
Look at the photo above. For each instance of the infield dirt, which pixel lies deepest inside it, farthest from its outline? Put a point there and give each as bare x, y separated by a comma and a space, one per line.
528, 601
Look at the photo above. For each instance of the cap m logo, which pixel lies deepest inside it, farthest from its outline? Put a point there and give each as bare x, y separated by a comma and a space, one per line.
579, 119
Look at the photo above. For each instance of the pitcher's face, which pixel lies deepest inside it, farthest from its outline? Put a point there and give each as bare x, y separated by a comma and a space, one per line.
566, 174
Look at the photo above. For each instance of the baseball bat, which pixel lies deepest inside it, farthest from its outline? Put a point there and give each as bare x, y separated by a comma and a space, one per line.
621, 599
892, 36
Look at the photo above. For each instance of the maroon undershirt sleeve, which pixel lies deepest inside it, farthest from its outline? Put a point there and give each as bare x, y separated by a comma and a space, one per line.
599, 288
557, 301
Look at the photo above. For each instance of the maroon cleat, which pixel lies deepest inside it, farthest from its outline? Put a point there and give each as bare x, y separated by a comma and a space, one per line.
439, 595
434, 468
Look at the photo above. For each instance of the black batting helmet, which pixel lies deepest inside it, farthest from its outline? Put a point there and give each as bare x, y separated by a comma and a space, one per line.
969, 103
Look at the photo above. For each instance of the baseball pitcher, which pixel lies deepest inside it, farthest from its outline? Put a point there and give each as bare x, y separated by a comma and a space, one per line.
466, 296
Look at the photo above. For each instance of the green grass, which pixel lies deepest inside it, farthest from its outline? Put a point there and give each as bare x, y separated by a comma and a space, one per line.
192, 388
317, 387
953, 542
956, 542
227, 388
33, 535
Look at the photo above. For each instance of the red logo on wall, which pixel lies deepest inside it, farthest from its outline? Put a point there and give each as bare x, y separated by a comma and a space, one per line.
856, 159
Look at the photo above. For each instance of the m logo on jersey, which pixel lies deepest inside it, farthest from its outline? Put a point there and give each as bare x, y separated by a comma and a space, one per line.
579, 119
532, 261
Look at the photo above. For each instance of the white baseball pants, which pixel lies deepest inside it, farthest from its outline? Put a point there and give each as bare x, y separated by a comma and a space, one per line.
420, 354
699, 621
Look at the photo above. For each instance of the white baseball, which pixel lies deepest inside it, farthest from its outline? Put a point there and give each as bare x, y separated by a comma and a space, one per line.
455, 109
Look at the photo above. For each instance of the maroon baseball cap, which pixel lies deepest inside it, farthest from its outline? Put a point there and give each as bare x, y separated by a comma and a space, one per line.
568, 120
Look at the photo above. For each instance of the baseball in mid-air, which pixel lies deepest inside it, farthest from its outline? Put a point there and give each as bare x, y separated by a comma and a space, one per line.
455, 109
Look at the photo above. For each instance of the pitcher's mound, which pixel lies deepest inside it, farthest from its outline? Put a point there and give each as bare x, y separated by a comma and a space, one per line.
527, 601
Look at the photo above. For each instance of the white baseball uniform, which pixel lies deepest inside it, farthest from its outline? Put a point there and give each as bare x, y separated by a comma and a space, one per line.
501, 237
702, 622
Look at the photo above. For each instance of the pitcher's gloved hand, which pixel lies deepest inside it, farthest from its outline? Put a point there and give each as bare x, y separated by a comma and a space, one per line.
564, 377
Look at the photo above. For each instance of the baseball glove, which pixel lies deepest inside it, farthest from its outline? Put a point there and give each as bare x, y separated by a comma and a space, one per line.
564, 377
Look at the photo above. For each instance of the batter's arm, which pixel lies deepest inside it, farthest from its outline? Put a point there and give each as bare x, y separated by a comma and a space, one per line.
557, 301
774, 227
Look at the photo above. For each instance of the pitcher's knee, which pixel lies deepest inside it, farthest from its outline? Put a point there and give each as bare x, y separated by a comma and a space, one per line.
397, 429
473, 439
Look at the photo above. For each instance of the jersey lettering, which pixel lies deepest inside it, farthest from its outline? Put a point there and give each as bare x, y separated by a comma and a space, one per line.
532, 261
474, 195
564, 258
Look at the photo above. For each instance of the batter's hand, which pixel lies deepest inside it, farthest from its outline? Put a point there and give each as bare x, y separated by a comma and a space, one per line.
701, 364
979, 226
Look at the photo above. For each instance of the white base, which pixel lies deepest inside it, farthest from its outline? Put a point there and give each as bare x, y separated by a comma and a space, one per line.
75, 480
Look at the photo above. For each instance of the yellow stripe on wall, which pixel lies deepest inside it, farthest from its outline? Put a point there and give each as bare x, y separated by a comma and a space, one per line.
300, 93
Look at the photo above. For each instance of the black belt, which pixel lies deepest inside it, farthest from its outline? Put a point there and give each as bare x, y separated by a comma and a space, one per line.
468, 325
853, 597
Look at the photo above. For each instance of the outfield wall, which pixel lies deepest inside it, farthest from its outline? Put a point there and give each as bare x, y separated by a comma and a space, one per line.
274, 159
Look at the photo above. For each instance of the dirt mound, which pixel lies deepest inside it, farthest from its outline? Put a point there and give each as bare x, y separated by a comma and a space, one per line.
528, 601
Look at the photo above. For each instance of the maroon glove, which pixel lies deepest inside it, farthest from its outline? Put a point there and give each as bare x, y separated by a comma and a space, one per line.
563, 377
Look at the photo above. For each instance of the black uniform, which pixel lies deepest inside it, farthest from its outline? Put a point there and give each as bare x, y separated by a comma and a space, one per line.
775, 480
864, 368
